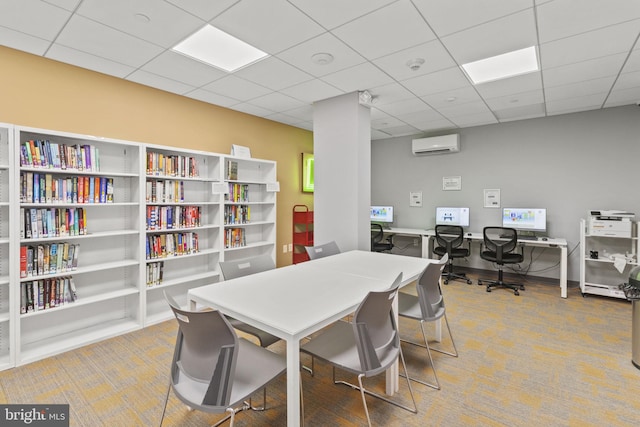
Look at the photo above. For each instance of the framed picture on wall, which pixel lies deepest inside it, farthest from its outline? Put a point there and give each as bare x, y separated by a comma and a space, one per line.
307, 172
492, 198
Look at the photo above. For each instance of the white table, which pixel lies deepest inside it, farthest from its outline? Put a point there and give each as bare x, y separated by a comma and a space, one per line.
295, 301
555, 243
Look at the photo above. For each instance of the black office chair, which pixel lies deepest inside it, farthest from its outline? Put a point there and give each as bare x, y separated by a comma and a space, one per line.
378, 241
499, 245
450, 239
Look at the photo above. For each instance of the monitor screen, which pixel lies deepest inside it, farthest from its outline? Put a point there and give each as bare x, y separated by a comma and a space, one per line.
534, 219
452, 216
382, 214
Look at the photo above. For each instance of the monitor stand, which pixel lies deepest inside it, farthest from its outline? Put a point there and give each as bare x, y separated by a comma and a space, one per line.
527, 235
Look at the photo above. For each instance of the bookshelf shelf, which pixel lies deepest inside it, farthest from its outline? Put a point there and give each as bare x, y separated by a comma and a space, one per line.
8, 249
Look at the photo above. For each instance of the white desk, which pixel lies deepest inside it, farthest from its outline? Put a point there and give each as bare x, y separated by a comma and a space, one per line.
556, 243
295, 301
414, 232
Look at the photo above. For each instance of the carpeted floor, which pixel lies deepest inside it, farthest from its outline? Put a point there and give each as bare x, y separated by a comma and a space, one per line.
536, 359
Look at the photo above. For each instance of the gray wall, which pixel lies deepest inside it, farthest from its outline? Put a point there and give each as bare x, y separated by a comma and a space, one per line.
568, 164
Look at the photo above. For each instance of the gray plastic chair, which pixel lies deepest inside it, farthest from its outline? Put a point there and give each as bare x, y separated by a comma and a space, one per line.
214, 371
321, 251
428, 306
244, 267
366, 346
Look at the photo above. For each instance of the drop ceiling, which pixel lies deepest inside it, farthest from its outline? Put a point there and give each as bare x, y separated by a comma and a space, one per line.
588, 52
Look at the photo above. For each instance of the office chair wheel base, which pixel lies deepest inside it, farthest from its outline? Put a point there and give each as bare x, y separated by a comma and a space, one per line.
515, 292
446, 282
488, 289
469, 282
479, 282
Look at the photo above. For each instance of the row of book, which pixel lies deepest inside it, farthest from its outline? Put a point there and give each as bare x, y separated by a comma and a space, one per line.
171, 217
232, 170
47, 188
234, 238
44, 294
237, 214
238, 193
45, 259
36, 223
171, 244
47, 154
160, 164
155, 271
160, 191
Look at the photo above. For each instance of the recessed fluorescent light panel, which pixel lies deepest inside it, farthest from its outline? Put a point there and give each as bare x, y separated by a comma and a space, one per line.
503, 66
215, 47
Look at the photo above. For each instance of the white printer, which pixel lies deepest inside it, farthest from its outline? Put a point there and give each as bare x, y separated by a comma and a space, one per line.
611, 223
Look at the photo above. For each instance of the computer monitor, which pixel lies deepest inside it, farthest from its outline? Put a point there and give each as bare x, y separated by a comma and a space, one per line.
382, 214
525, 219
452, 216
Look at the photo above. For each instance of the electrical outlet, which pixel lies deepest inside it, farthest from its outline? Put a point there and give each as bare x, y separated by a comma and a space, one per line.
290, 247
284, 249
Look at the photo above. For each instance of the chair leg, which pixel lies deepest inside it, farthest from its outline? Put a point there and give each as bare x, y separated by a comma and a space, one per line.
450, 274
439, 350
500, 283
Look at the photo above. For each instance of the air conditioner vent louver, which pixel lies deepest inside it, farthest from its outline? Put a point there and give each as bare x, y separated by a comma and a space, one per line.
436, 145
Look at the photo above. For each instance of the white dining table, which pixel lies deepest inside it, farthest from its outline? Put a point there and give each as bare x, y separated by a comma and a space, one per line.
295, 301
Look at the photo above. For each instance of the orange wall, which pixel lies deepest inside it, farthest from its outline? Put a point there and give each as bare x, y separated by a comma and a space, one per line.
47, 94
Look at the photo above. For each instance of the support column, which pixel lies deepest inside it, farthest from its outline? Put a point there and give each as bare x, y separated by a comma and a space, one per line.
342, 169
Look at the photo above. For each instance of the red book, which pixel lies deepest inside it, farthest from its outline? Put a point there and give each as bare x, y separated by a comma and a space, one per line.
23, 261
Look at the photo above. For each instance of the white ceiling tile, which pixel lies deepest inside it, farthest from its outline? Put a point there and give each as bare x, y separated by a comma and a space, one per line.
360, 77
387, 30
212, 98
627, 81
204, 9
301, 55
434, 55
283, 118
237, 88
183, 69
159, 82
440, 81
447, 17
273, 73
24, 42
420, 117
435, 125
585, 70
489, 39
254, 110
522, 112
518, 84
514, 101
331, 13
312, 91
623, 97
303, 113
470, 108
633, 62
378, 134
474, 120
452, 97
167, 24
65, 4
401, 130
580, 103
594, 44
578, 89
88, 61
99, 40
390, 93
403, 107
277, 102
271, 26
33, 17
385, 122
564, 18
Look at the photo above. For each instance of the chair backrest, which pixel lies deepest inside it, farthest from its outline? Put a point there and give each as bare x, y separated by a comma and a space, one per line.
449, 236
501, 240
429, 292
376, 331
243, 267
206, 350
377, 233
321, 251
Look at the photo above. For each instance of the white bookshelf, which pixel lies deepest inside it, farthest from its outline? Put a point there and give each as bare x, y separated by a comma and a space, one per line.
111, 274
7, 249
256, 180
107, 276
188, 208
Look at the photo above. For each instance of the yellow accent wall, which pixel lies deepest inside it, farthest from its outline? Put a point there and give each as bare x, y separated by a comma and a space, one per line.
43, 93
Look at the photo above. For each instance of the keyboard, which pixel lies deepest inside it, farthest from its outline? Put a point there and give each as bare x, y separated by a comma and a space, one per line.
524, 237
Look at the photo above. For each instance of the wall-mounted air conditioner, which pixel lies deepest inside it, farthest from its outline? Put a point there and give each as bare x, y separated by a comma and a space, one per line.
436, 145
